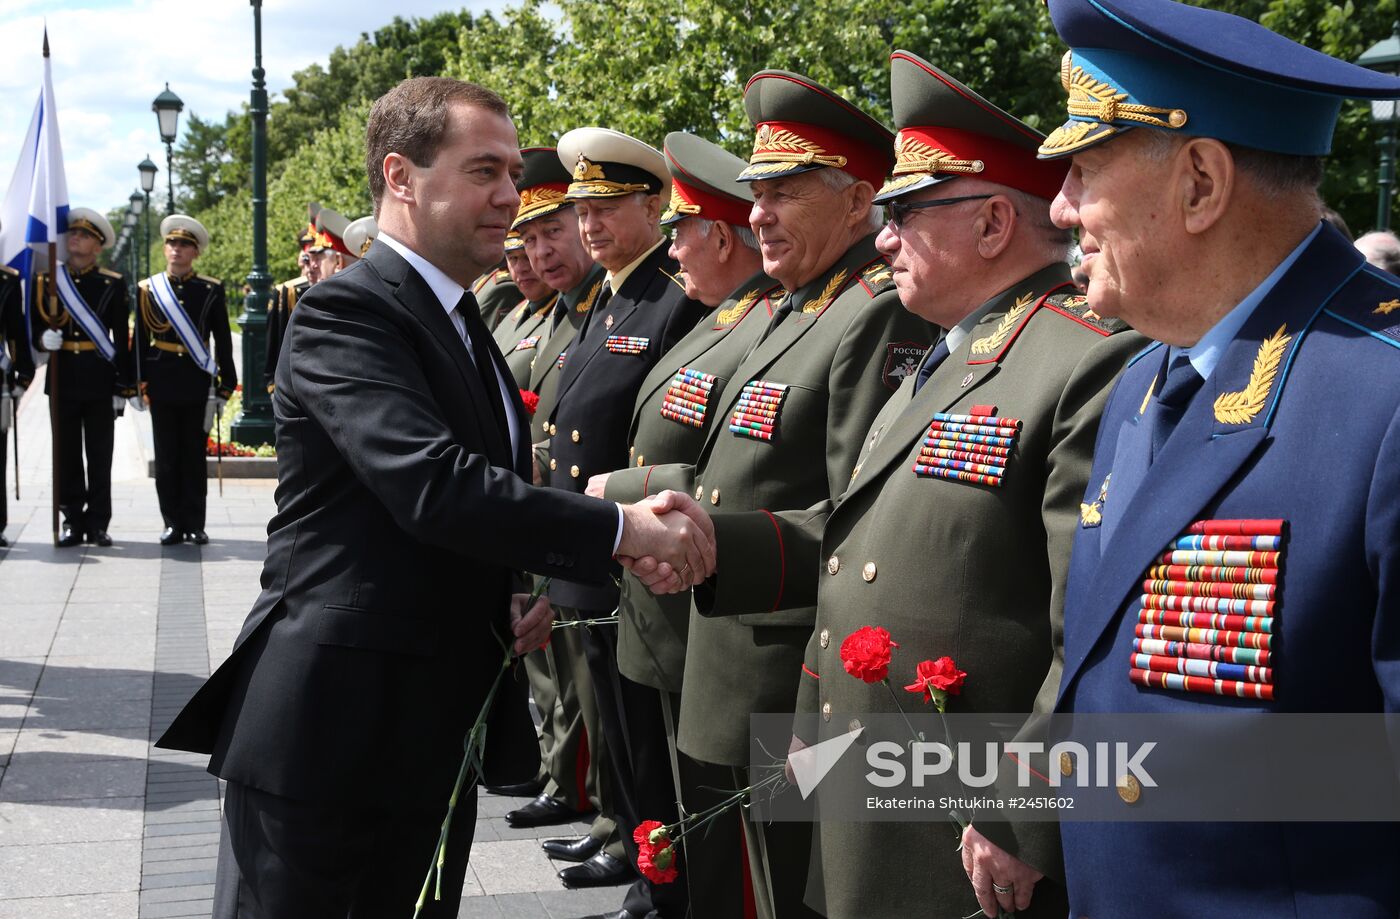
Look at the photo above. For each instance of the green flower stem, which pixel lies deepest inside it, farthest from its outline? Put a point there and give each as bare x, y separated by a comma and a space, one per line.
899, 708
585, 623
474, 749
693, 822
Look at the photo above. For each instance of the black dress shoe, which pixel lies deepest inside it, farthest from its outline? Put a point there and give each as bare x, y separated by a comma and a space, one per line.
518, 790
602, 870
100, 538
543, 811
171, 537
198, 537
68, 538
572, 850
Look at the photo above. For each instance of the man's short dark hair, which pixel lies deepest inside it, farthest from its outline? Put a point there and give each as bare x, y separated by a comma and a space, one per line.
411, 120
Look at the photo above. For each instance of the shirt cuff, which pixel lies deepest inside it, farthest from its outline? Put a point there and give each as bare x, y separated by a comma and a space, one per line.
617, 541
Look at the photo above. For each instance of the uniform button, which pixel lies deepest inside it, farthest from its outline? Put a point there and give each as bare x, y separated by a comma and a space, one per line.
699, 492
1129, 789
553, 429
553, 464
1066, 764
826, 711
868, 572
573, 471
574, 436
544, 427
714, 496
854, 725
825, 638
632, 451
833, 565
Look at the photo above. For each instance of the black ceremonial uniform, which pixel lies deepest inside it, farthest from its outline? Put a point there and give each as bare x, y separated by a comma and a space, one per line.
284, 300
178, 390
86, 384
13, 344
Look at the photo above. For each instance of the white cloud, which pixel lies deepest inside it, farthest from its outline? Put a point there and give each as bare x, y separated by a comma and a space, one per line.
112, 57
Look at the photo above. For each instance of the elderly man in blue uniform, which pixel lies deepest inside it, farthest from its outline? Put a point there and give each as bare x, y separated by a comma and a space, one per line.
618, 190
1197, 140
86, 331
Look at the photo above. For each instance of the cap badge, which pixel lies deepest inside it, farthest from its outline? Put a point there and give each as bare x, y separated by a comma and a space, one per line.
585, 170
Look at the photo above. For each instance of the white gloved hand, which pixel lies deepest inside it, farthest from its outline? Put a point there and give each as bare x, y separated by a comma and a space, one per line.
137, 403
118, 406
52, 339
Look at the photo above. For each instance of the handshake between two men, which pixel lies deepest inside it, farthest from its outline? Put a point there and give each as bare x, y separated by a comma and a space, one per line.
668, 541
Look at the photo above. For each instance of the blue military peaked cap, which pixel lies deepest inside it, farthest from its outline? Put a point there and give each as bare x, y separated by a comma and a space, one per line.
1178, 68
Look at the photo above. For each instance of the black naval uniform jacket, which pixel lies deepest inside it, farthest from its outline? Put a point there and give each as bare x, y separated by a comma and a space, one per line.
279, 313
603, 369
167, 370
84, 374
401, 516
13, 341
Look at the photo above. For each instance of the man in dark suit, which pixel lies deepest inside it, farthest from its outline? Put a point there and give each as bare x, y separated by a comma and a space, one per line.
338, 720
617, 192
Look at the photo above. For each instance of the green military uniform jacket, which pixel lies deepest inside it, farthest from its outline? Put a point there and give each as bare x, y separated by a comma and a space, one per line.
279, 313
673, 415
966, 569
836, 360
521, 335
495, 294
575, 305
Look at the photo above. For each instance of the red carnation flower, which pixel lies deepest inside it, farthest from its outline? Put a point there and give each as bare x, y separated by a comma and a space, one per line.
656, 857
937, 680
866, 653
531, 400
645, 834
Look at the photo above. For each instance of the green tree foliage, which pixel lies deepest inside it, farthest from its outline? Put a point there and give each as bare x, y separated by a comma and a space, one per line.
652, 66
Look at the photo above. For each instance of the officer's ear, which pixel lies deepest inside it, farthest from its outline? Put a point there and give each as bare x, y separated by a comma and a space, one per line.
1205, 173
862, 194
994, 226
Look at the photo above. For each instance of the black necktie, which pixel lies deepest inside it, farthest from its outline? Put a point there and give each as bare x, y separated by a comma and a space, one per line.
931, 362
561, 309
479, 341
1181, 384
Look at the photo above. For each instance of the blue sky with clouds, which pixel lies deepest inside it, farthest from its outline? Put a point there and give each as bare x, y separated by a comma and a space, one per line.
112, 57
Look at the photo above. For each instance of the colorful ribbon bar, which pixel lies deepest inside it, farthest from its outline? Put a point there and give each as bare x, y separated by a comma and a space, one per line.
756, 413
1226, 559
1236, 528
1238, 688
1210, 605
525, 344
949, 443
688, 397
626, 344
1205, 636
1193, 667
1220, 573
1207, 620
1209, 589
1202, 651
560, 363
957, 475
1250, 543
994, 421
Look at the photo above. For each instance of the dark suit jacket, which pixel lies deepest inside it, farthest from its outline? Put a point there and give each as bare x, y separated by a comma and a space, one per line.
605, 366
400, 516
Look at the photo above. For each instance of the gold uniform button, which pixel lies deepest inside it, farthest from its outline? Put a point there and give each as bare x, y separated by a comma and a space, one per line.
1066, 764
714, 496
826, 711
1129, 789
854, 725
553, 429
639, 461
573, 471
699, 492
574, 435
825, 638
833, 565
868, 572
553, 464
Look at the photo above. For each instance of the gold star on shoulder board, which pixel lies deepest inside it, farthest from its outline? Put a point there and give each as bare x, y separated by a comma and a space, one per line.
1385, 309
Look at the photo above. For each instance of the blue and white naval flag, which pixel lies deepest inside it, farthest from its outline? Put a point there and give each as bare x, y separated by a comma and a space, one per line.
35, 209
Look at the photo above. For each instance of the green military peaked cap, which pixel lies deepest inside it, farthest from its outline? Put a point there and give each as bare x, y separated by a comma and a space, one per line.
703, 182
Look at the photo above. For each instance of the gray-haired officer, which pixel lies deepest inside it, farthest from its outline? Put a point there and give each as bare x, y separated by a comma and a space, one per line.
185, 382
87, 334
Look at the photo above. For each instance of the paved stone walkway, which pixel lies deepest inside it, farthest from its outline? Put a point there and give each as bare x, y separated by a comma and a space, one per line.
99, 648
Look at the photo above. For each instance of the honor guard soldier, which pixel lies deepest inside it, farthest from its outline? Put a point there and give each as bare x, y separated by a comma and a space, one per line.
1023, 365
794, 416
495, 293
88, 336
619, 188
16, 370
185, 383
721, 267
1264, 425
284, 301
548, 229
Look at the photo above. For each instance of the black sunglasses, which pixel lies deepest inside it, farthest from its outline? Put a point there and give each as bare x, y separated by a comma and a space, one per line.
896, 213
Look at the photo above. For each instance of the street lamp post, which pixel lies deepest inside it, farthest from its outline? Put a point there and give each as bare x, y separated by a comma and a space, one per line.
148, 182
168, 107
1385, 57
254, 422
